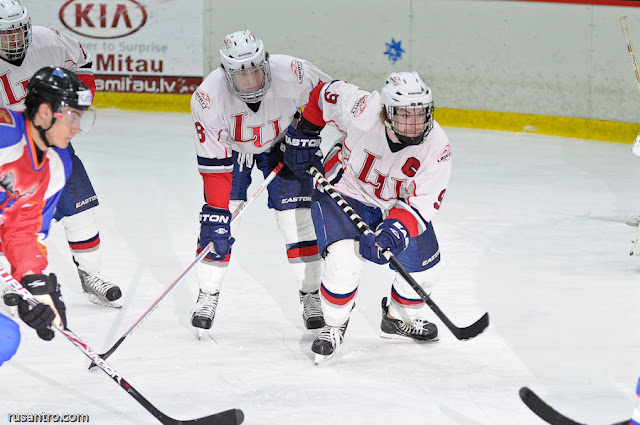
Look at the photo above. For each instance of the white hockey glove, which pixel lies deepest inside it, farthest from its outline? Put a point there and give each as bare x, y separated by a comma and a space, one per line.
635, 148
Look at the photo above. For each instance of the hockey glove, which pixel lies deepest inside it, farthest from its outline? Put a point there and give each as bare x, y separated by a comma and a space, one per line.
51, 310
215, 226
391, 234
302, 150
274, 158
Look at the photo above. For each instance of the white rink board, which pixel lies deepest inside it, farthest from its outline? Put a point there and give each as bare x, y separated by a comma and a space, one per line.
526, 57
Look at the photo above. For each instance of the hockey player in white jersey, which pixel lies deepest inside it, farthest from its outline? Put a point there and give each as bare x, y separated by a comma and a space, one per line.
635, 222
23, 51
240, 112
392, 167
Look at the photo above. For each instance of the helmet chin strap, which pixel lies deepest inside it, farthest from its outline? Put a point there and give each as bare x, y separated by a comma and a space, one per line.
391, 133
43, 133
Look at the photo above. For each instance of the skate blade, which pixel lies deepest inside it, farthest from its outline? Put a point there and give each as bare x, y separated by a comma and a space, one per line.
97, 301
397, 337
198, 332
321, 359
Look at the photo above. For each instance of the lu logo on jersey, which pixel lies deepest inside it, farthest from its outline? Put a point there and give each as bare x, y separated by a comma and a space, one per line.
257, 136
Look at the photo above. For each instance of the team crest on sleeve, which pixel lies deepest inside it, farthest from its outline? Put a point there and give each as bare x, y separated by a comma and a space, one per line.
298, 70
203, 99
445, 155
359, 106
6, 118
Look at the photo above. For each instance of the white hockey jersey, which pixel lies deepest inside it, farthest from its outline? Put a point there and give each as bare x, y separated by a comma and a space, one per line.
224, 123
48, 48
410, 183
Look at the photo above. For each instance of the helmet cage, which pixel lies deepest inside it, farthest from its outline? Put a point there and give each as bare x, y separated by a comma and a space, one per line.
15, 30
409, 107
411, 124
255, 96
242, 55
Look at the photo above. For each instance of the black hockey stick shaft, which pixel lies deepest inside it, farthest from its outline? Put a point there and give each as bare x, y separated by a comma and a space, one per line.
548, 413
200, 256
228, 417
461, 333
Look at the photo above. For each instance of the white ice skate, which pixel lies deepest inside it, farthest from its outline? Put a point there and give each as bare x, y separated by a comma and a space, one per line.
329, 342
99, 290
204, 312
310, 310
10, 300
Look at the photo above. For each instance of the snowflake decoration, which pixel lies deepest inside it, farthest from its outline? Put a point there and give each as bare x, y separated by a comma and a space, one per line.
394, 50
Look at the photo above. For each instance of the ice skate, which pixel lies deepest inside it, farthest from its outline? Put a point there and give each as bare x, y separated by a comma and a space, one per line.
329, 342
633, 222
10, 299
635, 249
204, 312
99, 290
310, 310
418, 330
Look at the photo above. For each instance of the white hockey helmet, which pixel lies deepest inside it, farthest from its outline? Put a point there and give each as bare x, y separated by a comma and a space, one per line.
246, 66
15, 30
409, 106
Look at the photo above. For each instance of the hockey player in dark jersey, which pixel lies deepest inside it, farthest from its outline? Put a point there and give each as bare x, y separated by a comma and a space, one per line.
34, 167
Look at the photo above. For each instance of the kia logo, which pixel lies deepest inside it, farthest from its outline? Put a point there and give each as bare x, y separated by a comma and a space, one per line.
106, 19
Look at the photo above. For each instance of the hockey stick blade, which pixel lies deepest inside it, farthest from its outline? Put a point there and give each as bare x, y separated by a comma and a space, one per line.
228, 417
109, 352
548, 413
471, 331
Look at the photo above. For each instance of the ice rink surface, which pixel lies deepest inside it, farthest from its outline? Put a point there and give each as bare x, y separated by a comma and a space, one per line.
531, 229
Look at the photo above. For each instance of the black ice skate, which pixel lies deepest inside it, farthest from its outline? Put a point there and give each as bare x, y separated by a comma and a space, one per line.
310, 310
418, 329
204, 311
99, 290
329, 342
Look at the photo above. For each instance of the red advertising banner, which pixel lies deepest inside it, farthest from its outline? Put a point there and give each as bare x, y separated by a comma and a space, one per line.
147, 84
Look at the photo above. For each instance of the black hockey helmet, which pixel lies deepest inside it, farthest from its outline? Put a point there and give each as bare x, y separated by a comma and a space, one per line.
57, 87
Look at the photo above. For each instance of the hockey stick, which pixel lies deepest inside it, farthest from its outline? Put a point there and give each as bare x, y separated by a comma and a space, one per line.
200, 256
627, 39
461, 333
548, 413
228, 417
